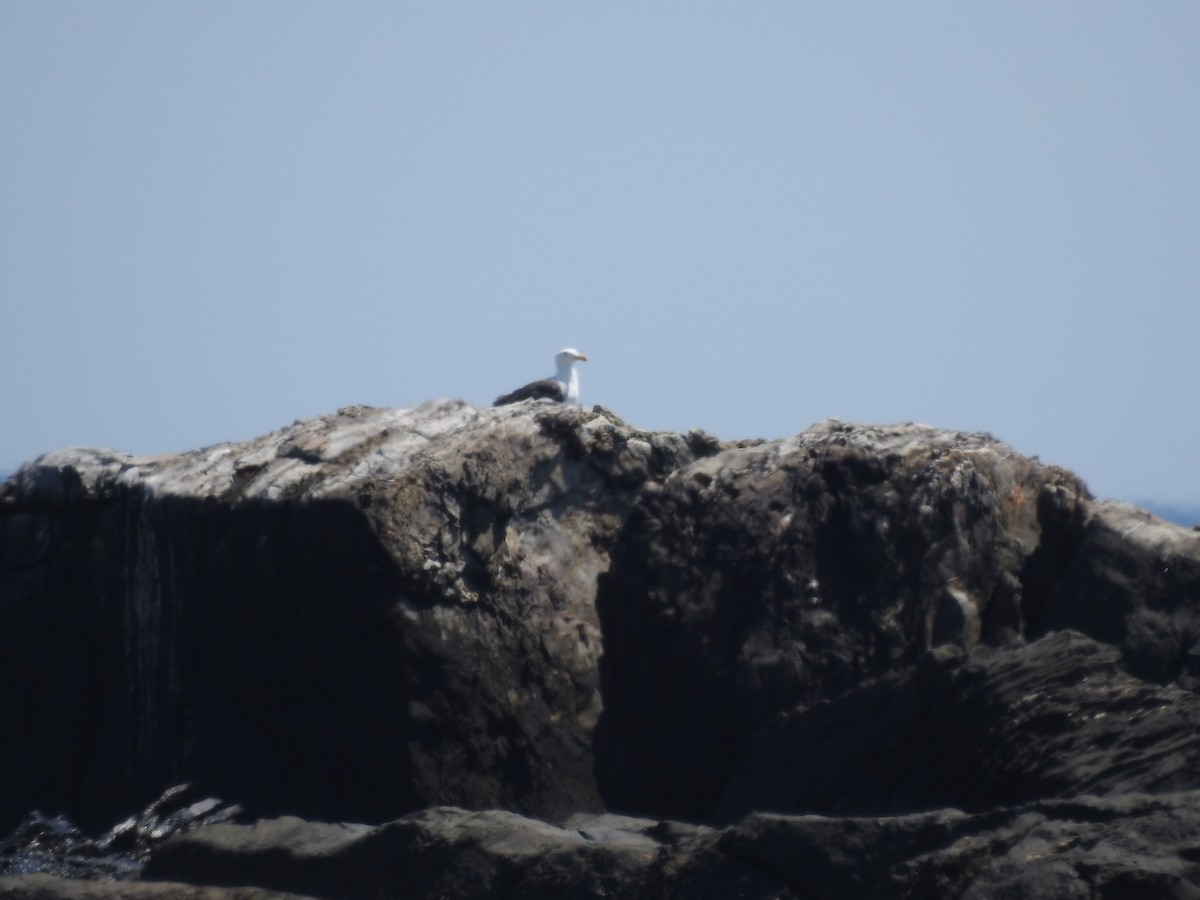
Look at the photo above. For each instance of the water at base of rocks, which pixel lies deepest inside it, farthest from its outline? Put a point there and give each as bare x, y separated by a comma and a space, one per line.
53, 845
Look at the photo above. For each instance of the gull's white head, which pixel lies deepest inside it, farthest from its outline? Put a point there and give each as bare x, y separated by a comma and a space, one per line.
568, 357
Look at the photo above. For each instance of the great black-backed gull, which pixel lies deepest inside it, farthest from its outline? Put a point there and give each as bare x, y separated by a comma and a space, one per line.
563, 387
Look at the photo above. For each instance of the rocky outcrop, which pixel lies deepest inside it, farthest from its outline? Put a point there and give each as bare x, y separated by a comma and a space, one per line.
787, 573
357, 616
861, 661
996, 727
846, 555
1089, 848
1130, 846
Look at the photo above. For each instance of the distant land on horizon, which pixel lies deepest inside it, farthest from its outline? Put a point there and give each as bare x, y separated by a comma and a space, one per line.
1187, 514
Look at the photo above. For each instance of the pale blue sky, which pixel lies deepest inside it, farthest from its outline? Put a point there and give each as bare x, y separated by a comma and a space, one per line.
219, 217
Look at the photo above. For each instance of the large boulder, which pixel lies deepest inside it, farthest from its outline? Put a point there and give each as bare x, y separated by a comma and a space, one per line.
784, 576
357, 616
785, 573
1125, 577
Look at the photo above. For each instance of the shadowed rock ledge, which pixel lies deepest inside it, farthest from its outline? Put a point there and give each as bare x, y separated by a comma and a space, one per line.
862, 661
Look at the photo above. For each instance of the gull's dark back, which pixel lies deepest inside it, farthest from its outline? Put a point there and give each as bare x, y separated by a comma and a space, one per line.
546, 389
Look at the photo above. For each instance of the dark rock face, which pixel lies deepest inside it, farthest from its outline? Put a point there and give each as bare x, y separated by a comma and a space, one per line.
1129, 579
890, 662
788, 573
999, 726
354, 617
